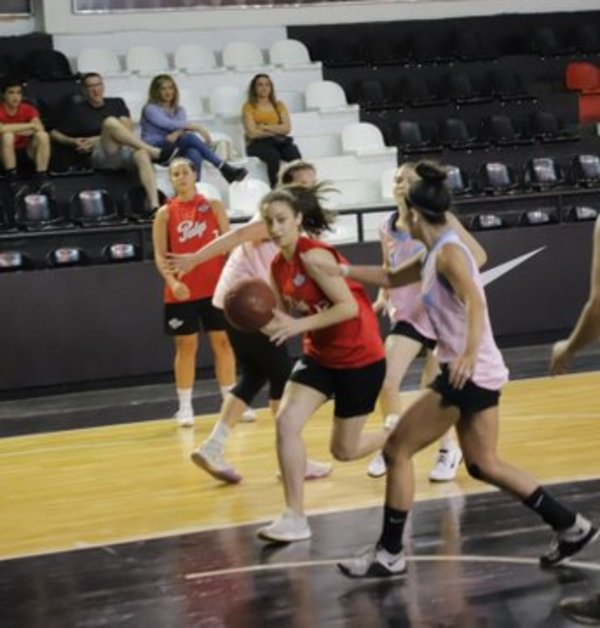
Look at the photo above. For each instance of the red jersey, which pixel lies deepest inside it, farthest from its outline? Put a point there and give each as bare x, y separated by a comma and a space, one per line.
191, 225
349, 344
24, 113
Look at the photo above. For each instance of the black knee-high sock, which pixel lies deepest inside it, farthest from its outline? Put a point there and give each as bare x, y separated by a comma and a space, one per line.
393, 529
550, 509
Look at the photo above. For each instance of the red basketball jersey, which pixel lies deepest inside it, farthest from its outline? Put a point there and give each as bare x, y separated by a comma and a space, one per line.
349, 344
191, 225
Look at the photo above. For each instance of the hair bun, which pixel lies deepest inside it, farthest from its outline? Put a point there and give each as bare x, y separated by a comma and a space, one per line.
429, 171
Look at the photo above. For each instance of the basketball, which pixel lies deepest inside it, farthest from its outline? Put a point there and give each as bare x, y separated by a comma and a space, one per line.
249, 305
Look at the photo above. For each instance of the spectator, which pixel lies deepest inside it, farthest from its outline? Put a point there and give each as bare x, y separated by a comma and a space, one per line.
102, 127
22, 132
267, 127
165, 125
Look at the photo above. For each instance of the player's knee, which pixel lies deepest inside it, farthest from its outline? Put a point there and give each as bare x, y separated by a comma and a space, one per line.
342, 451
475, 470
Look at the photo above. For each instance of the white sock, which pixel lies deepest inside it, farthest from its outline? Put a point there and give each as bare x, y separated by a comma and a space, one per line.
390, 421
447, 442
185, 398
226, 389
219, 434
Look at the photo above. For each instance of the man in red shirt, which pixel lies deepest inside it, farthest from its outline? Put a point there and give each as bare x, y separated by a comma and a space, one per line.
22, 131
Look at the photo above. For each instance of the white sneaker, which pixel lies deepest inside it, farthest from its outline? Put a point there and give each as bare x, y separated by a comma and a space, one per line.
249, 415
374, 562
185, 417
314, 470
288, 528
377, 466
446, 465
211, 460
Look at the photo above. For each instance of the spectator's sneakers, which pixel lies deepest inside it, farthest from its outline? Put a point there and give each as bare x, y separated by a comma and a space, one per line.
446, 465
288, 528
167, 154
374, 562
569, 542
231, 173
377, 466
585, 610
211, 460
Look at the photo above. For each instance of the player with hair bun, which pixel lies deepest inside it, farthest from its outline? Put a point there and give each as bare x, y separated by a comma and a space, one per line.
465, 394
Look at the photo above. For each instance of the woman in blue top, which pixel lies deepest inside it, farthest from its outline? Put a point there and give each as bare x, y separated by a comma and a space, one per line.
165, 124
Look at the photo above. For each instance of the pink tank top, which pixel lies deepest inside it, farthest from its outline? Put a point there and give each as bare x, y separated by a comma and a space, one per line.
404, 304
448, 317
250, 260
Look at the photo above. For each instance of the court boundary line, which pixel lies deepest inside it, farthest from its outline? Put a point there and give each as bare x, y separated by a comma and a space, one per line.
513, 560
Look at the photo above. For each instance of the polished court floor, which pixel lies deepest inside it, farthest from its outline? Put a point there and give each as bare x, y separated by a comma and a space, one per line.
112, 526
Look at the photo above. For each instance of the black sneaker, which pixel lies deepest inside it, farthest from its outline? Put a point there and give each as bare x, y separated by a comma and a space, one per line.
562, 549
231, 173
585, 610
374, 562
167, 154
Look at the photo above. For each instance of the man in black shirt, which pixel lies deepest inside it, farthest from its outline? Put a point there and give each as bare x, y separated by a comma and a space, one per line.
102, 127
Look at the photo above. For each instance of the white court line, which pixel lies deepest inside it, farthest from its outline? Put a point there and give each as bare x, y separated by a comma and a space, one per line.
512, 560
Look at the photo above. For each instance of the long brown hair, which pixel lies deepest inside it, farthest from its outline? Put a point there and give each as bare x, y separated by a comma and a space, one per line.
154, 90
253, 97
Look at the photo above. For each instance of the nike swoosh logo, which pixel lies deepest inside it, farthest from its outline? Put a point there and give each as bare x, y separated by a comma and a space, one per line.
497, 271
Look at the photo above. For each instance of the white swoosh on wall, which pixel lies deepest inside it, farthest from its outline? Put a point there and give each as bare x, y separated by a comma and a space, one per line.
497, 271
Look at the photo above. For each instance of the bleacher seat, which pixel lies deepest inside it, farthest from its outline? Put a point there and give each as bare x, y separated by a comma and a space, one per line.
542, 173
585, 39
67, 257
457, 180
195, 59
135, 102
209, 191
457, 135
146, 60
414, 138
497, 178
507, 85
101, 60
500, 130
548, 127
243, 55
364, 138
325, 96
289, 54
90, 208
417, 92
585, 170
245, 196
37, 212
460, 89
227, 101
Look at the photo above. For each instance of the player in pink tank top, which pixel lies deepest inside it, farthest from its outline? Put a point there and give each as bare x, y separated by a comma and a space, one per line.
411, 330
258, 360
459, 395
185, 223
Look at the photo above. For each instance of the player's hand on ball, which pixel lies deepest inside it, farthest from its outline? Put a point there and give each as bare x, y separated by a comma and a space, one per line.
282, 327
180, 290
560, 357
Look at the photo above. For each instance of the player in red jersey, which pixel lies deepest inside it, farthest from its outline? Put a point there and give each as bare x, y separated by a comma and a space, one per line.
343, 355
186, 223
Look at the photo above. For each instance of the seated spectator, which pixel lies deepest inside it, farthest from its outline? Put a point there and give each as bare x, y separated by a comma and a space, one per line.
267, 127
165, 125
22, 132
102, 127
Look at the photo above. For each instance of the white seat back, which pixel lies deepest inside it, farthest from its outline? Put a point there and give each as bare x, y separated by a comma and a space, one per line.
227, 101
135, 102
209, 191
289, 52
387, 184
101, 60
241, 55
323, 95
194, 58
146, 60
191, 102
245, 196
362, 137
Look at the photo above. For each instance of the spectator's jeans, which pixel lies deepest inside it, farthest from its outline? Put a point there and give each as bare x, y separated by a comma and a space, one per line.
196, 150
272, 153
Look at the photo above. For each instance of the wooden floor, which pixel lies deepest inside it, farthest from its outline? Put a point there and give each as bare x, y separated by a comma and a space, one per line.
100, 486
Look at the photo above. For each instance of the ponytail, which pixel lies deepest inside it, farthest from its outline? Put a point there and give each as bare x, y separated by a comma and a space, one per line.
429, 193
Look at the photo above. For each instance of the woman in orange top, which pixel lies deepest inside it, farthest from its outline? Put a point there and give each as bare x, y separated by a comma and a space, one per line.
267, 127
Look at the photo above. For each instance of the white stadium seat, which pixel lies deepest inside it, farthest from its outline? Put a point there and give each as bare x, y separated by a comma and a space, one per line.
195, 59
325, 96
146, 60
101, 60
245, 196
289, 53
242, 55
364, 138
227, 101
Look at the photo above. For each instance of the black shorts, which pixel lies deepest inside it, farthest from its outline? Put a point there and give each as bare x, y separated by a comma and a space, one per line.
469, 400
403, 328
355, 390
182, 319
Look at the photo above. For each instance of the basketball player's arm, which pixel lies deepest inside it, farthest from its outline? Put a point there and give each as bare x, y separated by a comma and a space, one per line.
382, 293
587, 328
254, 231
403, 275
221, 215
452, 264
344, 305
160, 243
476, 250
